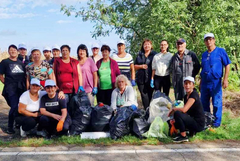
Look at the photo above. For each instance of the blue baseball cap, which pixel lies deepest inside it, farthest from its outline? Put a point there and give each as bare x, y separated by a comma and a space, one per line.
22, 46
181, 40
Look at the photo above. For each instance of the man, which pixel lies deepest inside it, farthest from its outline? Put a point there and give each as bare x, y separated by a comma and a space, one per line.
95, 51
213, 61
125, 62
22, 49
47, 54
184, 63
56, 51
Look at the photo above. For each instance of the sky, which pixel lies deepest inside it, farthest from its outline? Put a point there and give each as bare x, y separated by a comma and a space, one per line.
39, 23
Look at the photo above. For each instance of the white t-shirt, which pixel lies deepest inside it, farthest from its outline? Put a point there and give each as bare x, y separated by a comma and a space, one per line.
161, 63
32, 106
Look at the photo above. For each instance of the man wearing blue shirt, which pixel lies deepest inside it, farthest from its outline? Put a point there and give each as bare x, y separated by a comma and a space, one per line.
213, 62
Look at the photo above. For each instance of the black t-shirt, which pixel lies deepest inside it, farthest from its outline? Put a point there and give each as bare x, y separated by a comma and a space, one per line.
13, 71
196, 111
53, 105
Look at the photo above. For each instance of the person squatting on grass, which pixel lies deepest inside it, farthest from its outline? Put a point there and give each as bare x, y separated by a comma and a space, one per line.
190, 117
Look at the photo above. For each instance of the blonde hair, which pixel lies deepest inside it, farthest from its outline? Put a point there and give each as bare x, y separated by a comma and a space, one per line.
121, 76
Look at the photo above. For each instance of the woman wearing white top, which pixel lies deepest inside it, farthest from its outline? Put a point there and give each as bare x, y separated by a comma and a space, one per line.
160, 69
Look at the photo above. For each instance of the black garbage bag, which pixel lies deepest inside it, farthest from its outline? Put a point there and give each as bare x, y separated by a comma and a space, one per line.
209, 119
101, 115
119, 124
139, 124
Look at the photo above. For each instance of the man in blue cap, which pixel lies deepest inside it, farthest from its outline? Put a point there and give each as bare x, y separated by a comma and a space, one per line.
213, 61
184, 63
22, 49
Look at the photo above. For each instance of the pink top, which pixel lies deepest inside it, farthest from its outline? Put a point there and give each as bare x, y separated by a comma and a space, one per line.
87, 74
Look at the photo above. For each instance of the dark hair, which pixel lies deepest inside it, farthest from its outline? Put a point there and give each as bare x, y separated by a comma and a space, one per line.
105, 47
167, 43
146, 40
12, 46
82, 47
65, 46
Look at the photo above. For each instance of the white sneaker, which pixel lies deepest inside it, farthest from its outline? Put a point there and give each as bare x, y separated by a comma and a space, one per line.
22, 133
42, 133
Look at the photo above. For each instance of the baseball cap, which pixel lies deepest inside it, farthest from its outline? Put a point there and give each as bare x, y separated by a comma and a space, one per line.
50, 82
95, 45
181, 40
121, 42
47, 48
22, 46
208, 35
189, 78
55, 47
35, 81
35, 48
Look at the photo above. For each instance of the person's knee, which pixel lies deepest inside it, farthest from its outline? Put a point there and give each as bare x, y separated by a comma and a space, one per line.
44, 120
177, 114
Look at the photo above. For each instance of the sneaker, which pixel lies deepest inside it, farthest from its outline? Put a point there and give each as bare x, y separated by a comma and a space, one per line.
10, 130
181, 139
22, 133
42, 133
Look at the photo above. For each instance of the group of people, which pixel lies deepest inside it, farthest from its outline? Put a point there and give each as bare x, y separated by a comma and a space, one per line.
111, 79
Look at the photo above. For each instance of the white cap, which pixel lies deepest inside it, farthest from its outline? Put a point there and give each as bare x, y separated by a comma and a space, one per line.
208, 35
121, 42
95, 45
55, 47
189, 78
47, 48
50, 82
35, 48
22, 46
35, 81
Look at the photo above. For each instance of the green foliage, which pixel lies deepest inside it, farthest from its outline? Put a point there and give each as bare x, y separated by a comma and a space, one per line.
1, 86
234, 81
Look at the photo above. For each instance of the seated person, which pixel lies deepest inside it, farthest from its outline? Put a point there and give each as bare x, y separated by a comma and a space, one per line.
54, 111
28, 109
123, 94
191, 116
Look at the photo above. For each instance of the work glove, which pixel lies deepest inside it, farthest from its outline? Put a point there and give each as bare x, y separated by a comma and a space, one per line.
60, 126
152, 83
94, 91
133, 83
81, 89
134, 107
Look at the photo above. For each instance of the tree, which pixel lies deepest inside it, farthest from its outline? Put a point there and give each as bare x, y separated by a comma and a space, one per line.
135, 20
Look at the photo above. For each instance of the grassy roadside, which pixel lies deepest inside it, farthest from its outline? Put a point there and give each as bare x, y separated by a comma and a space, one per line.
230, 130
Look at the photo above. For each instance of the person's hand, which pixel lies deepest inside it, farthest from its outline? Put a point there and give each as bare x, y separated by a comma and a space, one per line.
37, 114
59, 126
133, 83
152, 83
81, 89
171, 112
61, 95
56, 117
144, 66
225, 83
172, 121
94, 91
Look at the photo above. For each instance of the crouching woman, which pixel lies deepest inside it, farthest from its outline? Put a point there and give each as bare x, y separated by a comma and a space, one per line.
54, 111
123, 94
191, 116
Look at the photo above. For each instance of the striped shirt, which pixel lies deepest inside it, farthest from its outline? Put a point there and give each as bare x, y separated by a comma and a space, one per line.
124, 64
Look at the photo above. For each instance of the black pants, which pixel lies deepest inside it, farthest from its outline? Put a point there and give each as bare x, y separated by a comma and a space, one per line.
50, 124
183, 121
162, 82
27, 122
104, 96
179, 91
146, 93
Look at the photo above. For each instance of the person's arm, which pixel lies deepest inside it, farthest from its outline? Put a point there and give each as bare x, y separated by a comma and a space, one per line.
130, 97
64, 114
225, 78
114, 100
95, 79
79, 75
184, 109
153, 73
49, 114
22, 110
132, 71
196, 65
27, 82
52, 76
2, 78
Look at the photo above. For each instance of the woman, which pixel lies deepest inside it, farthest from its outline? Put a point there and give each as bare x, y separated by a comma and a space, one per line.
89, 72
160, 69
68, 73
38, 69
54, 111
143, 65
123, 94
107, 71
12, 75
191, 116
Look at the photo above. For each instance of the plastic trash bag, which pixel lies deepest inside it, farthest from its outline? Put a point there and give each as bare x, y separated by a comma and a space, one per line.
158, 128
119, 124
101, 115
209, 119
159, 106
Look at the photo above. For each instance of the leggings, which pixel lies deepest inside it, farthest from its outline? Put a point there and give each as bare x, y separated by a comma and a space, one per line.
162, 83
27, 122
146, 94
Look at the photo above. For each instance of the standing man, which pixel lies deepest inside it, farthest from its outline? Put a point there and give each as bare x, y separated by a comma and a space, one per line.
22, 49
125, 62
95, 51
184, 63
48, 55
213, 61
